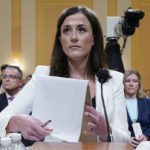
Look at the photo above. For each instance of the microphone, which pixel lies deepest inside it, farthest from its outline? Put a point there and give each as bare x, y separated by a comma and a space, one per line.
103, 76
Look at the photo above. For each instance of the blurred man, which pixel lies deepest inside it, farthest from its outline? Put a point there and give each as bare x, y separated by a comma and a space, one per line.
11, 82
3, 67
27, 79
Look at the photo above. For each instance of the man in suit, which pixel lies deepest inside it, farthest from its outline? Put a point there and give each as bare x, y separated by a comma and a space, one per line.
11, 82
3, 67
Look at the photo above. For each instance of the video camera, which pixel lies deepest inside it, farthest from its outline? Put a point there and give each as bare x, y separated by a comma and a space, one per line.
117, 27
123, 26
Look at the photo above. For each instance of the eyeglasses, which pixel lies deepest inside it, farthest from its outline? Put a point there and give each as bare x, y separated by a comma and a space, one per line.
13, 77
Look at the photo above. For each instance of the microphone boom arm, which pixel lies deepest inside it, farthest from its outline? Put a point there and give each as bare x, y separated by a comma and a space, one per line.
110, 139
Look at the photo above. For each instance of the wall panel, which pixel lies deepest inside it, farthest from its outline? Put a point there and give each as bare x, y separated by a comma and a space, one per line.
126, 56
28, 36
5, 31
140, 43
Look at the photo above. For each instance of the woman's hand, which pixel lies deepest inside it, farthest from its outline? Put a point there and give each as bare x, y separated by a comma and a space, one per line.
97, 124
135, 142
30, 127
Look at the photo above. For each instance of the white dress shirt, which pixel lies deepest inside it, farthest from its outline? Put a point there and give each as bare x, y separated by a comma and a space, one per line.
8, 96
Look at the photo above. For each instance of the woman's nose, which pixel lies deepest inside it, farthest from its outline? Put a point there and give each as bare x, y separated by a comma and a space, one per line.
74, 36
131, 83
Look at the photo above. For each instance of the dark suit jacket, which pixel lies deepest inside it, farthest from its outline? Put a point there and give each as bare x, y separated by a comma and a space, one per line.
3, 101
3, 104
143, 116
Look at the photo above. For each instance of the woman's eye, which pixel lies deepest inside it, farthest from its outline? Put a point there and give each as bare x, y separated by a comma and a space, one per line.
127, 80
66, 30
81, 29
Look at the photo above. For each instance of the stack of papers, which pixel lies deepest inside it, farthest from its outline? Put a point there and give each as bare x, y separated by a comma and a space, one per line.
62, 101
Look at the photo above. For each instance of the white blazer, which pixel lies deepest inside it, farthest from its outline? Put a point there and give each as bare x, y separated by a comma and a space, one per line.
113, 95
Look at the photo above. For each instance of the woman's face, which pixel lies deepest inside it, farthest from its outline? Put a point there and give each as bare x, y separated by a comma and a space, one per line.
131, 86
76, 37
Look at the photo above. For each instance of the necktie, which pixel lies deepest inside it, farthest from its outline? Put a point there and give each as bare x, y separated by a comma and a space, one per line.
11, 98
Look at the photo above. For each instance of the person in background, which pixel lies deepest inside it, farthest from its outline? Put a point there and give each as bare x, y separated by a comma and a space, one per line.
147, 94
11, 82
138, 107
3, 67
26, 80
78, 53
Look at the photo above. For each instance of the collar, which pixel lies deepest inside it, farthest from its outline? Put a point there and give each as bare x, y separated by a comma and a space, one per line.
7, 95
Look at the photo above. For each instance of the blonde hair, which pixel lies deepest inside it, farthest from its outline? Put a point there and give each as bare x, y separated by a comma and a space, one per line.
140, 92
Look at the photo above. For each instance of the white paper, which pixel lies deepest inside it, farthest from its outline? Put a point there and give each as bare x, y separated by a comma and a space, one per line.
62, 101
137, 129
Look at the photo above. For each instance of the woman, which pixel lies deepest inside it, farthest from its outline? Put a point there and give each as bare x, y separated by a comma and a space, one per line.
138, 107
78, 53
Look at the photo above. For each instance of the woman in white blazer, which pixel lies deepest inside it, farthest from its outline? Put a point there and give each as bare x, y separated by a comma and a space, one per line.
78, 53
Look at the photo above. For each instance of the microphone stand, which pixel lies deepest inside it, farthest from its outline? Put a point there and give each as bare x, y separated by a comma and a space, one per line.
110, 139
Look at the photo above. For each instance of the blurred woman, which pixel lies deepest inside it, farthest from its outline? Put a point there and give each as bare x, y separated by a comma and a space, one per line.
138, 107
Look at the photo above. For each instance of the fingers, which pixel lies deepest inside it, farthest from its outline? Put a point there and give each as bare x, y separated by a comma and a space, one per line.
32, 138
96, 119
36, 133
134, 142
91, 110
142, 138
32, 128
91, 117
40, 132
91, 113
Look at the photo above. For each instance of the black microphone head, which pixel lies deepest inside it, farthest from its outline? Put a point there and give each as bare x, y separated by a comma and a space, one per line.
103, 75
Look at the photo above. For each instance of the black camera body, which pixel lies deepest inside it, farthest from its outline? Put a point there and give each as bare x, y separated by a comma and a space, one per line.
124, 26
131, 21
117, 27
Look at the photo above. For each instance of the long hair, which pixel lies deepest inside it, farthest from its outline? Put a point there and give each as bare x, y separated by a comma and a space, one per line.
140, 92
96, 60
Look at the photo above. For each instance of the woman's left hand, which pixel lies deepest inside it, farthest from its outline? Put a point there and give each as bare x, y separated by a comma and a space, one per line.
97, 123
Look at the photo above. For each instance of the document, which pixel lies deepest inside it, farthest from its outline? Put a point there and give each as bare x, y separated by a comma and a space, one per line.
62, 101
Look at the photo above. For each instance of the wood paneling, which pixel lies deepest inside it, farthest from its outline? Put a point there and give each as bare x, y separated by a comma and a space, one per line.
16, 30
5, 31
112, 8
141, 43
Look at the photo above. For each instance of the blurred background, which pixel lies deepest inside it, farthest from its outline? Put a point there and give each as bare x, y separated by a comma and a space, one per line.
27, 31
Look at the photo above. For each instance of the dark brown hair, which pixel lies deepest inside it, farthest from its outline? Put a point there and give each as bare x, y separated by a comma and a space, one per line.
96, 60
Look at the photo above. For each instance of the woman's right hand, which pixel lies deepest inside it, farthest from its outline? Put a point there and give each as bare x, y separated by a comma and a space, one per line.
30, 127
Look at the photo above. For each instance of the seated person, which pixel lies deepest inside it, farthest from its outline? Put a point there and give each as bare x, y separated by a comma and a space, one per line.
147, 94
11, 82
78, 53
138, 107
3, 67
27, 79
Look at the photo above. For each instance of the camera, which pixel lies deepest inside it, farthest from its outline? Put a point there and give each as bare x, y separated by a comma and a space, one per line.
117, 27
123, 26
131, 21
